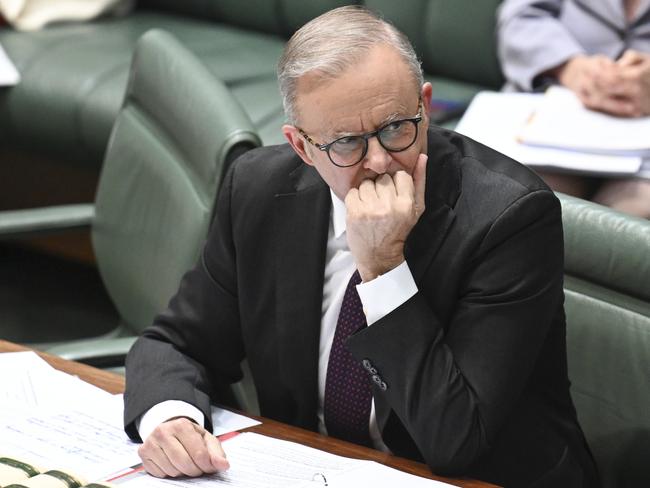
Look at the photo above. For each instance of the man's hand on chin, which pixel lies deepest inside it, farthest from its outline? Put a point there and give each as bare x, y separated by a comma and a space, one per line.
179, 447
381, 215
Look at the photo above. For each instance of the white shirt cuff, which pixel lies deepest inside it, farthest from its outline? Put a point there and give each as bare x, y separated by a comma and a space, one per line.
385, 293
164, 411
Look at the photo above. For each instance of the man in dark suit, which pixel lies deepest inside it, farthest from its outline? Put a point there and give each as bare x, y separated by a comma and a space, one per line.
451, 349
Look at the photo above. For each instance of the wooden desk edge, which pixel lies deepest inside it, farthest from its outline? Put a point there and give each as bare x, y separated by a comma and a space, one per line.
115, 384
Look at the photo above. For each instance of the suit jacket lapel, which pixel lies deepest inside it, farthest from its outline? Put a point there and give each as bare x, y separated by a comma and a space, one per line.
301, 222
442, 191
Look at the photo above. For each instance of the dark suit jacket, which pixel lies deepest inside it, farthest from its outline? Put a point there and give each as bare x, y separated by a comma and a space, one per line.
474, 363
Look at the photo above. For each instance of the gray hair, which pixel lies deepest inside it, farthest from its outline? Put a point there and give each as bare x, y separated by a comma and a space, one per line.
332, 43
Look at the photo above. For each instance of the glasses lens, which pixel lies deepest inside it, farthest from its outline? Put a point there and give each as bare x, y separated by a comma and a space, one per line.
347, 151
398, 135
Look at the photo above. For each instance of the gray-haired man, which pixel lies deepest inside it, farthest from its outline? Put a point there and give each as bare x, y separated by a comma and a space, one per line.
449, 350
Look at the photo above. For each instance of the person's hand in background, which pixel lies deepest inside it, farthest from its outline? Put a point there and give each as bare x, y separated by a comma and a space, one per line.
598, 82
634, 82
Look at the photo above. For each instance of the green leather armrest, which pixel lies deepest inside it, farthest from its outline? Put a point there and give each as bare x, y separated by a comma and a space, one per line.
99, 352
22, 223
606, 247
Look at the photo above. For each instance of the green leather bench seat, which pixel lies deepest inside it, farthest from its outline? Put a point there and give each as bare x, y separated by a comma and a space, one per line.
74, 76
607, 303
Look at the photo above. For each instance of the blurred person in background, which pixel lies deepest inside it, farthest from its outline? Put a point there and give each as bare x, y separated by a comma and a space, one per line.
600, 50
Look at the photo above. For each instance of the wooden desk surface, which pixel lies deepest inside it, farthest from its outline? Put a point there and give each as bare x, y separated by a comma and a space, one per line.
115, 384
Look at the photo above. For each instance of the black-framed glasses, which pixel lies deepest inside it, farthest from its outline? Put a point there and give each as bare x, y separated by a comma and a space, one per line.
395, 136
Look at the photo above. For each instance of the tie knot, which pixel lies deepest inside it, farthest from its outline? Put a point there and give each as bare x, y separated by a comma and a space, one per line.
355, 279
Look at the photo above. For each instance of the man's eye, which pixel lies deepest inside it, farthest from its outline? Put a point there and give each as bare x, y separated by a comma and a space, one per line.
393, 127
347, 143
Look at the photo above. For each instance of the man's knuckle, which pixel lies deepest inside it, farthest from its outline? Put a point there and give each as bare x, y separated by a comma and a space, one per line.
202, 458
184, 466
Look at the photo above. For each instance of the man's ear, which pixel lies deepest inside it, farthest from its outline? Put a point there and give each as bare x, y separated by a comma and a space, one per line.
425, 94
297, 142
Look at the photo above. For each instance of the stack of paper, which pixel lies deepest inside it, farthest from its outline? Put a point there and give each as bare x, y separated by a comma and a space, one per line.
55, 421
258, 461
562, 122
52, 419
547, 131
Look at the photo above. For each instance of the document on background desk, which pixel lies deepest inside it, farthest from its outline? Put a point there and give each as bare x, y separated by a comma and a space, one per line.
8, 73
258, 461
496, 119
562, 122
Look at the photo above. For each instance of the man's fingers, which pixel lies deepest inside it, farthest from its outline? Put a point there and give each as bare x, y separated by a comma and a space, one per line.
152, 468
164, 461
367, 191
419, 182
180, 458
181, 447
191, 439
216, 453
385, 187
156, 461
404, 184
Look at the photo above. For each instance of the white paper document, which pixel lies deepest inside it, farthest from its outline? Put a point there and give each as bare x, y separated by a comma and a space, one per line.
56, 421
29, 382
562, 122
74, 441
8, 73
496, 120
225, 421
258, 461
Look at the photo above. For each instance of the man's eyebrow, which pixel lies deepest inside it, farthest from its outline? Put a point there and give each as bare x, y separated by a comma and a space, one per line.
386, 120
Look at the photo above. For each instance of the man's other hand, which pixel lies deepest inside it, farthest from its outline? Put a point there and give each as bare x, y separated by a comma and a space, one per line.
380, 216
179, 447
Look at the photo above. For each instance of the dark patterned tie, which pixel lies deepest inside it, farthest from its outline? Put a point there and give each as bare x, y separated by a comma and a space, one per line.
348, 392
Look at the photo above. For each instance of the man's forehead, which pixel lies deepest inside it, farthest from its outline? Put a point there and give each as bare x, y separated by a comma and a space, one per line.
334, 107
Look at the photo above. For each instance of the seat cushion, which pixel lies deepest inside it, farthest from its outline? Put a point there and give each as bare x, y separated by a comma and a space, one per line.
74, 78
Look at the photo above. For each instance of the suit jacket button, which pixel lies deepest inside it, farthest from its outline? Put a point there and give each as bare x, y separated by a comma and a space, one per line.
367, 364
383, 386
377, 380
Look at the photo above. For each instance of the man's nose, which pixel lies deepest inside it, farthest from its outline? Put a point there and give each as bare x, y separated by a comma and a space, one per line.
377, 158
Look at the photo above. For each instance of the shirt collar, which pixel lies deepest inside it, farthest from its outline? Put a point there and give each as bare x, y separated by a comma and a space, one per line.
338, 215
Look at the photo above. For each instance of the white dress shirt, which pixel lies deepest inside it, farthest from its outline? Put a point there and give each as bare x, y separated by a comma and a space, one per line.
378, 297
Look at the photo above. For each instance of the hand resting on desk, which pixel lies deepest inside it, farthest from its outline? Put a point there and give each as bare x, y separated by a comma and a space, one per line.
179, 447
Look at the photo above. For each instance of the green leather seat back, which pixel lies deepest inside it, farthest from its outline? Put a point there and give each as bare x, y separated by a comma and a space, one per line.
454, 38
77, 75
607, 288
281, 17
177, 129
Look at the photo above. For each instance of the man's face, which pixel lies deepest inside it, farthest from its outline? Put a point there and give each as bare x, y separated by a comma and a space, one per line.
377, 91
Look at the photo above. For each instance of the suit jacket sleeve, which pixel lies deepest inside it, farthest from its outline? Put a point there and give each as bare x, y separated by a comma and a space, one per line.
453, 385
172, 358
531, 40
